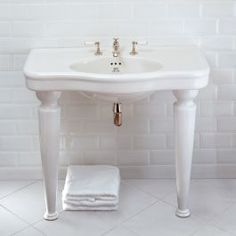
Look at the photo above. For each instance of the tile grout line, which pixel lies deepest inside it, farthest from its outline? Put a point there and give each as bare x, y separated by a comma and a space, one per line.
38, 230
13, 213
212, 221
16, 215
125, 220
201, 226
132, 231
28, 227
19, 189
18, 231
214, 226
150, 194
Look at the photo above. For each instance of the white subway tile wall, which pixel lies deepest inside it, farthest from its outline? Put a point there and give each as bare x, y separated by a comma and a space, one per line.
145, 141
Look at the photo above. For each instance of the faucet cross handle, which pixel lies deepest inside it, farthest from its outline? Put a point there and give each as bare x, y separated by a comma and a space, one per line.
134, 50
116, 39
97, 44
98, 50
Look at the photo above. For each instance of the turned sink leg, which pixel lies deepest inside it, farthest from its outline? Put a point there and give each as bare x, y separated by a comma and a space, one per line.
185, 111
49, 130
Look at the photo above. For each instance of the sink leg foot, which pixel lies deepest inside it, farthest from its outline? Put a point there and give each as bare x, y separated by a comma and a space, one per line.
50, 216
185, 110
49, 129
183, 213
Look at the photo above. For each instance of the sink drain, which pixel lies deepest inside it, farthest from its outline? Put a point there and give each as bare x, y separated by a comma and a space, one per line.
115, 69
115, 66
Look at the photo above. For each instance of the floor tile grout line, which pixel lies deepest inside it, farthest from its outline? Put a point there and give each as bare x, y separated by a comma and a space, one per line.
18, 216
35, 223
131, 230
32, 225
197, 216
224, 231
18, 231
122, 222
13, 213
19, 189
198, 229
129, 218
152, 195
141, 190
38, 230
28, 227
168, 203
209, 221
135, 233
214, 217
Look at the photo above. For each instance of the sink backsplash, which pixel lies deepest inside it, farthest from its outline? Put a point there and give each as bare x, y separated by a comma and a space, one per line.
143, 146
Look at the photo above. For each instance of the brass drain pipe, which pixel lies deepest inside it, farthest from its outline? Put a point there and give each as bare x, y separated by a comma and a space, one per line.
117, 114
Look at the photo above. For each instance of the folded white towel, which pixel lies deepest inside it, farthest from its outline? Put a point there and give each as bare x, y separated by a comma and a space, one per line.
70, 207
91, 188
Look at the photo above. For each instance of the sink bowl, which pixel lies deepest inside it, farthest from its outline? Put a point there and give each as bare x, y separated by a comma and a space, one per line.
124, 78
122, 66
109, 65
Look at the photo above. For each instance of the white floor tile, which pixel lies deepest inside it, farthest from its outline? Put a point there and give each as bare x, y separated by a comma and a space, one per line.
207, 199
28, 203
157, 188
227, 220
92, 223
29, 232
8, 187
9, 223
120, 231
160, 219
211, 231
73, 224
132, 201
141, 213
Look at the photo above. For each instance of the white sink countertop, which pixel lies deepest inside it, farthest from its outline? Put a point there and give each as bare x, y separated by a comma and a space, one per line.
152, 69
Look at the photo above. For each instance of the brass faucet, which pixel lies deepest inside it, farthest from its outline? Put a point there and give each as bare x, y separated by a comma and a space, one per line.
116, 47
98, 51
133, 51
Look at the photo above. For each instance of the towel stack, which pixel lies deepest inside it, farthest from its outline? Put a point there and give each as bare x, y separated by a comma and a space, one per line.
91, 188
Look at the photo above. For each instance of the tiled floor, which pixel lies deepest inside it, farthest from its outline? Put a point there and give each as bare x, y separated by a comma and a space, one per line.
147, 208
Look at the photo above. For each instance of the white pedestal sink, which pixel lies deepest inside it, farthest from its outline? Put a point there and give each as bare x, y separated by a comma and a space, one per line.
49, 72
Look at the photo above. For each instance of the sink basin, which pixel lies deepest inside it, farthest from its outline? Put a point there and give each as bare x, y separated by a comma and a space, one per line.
109, 65
116, 78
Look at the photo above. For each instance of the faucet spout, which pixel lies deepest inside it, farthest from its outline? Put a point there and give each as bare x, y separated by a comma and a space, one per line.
116, 48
